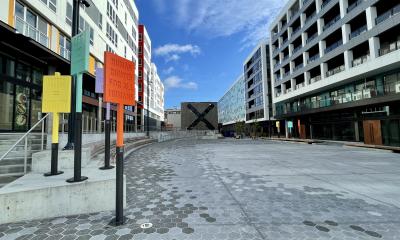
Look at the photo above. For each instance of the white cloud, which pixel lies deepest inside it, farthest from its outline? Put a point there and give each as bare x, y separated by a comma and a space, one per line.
172, 58
169, 70
219, 18
177, 82
170, 49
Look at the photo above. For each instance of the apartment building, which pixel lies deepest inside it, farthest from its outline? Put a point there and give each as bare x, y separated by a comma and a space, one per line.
144, 60
257, 81
36, 41
232, 106
335, 69
156, 99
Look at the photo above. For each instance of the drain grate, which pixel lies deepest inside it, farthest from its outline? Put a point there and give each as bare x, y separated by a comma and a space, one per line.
146, 225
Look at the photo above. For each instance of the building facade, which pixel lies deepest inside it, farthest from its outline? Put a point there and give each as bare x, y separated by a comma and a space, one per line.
232, 106
36, 41
144, 60
336, 69
257, 85
155, 101
172, 119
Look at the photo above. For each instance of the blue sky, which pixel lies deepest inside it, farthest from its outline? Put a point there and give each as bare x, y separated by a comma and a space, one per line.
199, 46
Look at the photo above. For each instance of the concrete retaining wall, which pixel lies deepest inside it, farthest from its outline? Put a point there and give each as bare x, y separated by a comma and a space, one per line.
167, 136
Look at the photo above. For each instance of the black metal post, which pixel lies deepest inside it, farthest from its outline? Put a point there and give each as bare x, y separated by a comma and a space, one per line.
78, 151
54, 161
72, 117
107, 149
119, 201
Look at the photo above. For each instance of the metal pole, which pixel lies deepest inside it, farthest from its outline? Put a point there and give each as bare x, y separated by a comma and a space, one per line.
119, 201
54, 147
107, 148
72, 116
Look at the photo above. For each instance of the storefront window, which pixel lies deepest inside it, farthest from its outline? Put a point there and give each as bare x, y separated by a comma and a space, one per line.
23, 72
36, 106
21, 108
6, 106
37, 76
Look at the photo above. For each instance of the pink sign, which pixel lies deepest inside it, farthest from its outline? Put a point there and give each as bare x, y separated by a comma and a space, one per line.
99, 80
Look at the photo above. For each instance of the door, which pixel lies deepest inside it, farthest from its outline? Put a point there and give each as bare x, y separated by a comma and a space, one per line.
373, 132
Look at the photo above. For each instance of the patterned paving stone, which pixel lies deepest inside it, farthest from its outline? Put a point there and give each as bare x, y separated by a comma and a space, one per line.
225, 189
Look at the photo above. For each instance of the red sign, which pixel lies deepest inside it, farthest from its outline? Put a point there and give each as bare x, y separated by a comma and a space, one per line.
119, 82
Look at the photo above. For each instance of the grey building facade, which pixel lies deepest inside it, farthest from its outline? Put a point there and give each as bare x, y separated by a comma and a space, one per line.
258, 85
335, 68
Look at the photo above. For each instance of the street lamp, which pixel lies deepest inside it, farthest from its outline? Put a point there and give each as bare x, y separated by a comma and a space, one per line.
72, 115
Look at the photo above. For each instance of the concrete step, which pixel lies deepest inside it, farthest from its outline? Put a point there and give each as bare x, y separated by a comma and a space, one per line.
7, 178
12, 169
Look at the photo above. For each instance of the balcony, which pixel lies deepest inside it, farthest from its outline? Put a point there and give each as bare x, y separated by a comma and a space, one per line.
309, 18
278, 94
286, 74
383, 17
296, 49
288, 90
285, 58
313, 58
358, 31
276, 65
335, 71
65, 53
354, 5
361, 60
332, 22
333, 46
309, 39
285, 41
296, 30
31, 31
315, 79
324, 4
305, 1
298, 67
394, 46
301, 85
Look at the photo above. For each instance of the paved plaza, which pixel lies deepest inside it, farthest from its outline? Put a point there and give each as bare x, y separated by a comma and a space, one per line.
244, 189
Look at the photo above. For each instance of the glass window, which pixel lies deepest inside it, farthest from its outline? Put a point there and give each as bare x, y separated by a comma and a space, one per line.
19, 10
36, 106
21, 108
31, 18
7, 101
23, 72
53, 5
68, 18
37, 76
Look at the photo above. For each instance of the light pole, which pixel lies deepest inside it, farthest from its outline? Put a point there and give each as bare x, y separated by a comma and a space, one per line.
72, 115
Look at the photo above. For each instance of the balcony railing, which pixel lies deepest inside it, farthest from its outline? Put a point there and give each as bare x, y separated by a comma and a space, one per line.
285, 58
358, 31
285, 41
65, 53
31, 31
301, 85
315, 79
309, 18
278, 94
354, 5
298, 67
383, 17
394, 46
332, 22
360, 60
333, 46
309, 39
324, 4
297, 49
389, 89
276, 65
305, 1
296, 30
335, 71
288, 90
313, 58
286, 74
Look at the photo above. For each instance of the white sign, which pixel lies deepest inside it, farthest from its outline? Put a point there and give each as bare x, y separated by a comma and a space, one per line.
398, 88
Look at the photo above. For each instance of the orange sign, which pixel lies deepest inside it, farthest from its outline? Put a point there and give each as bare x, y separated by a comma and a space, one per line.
119, 80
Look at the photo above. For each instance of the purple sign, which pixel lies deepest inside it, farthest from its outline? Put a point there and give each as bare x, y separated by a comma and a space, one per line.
99, 80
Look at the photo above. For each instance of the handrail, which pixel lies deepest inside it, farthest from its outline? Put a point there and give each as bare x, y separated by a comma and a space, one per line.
24, 136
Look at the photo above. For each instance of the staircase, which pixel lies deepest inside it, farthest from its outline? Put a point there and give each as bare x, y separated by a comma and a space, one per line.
13, 165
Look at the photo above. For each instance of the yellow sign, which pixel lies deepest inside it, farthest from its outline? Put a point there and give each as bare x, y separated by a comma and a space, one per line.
278, 124
56, 94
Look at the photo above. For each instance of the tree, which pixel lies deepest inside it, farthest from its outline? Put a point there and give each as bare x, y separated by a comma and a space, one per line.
256, 127
239, 127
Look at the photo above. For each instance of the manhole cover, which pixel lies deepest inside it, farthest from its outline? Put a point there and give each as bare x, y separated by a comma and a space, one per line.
146, 225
